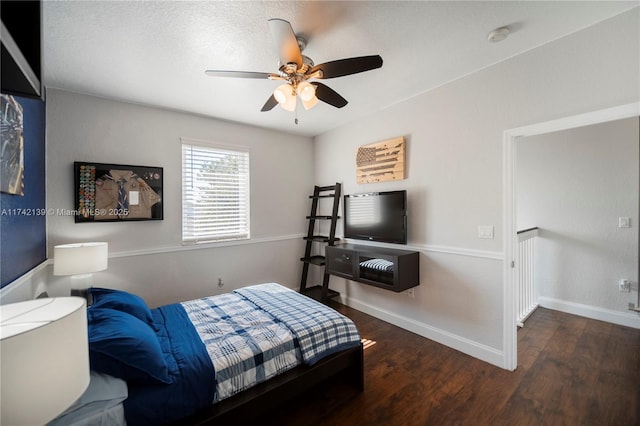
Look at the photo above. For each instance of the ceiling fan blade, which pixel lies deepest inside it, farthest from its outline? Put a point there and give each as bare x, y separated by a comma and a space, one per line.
239, 74
328, 95
271, 102
349, 66
285, 39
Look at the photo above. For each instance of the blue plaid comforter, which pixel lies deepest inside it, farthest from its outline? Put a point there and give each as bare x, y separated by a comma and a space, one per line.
319, 330
257, 332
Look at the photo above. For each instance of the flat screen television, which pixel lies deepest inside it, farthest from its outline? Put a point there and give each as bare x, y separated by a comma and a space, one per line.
376, 216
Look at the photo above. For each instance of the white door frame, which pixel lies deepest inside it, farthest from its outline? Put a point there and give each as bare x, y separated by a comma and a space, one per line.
510, 242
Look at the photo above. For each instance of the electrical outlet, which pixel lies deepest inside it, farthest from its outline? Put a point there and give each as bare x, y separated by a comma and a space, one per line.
624, 286
485, 231
624, 222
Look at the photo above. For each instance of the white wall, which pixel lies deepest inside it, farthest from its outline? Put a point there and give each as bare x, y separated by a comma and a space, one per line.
574, 185
454, 177
147, 257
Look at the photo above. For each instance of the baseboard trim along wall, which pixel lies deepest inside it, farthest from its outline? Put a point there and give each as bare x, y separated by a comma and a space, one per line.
462, 344
615, 317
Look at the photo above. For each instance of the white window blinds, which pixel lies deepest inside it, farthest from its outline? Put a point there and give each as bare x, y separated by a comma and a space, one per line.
215, 193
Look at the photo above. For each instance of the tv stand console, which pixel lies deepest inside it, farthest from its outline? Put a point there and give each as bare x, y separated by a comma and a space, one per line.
387, 268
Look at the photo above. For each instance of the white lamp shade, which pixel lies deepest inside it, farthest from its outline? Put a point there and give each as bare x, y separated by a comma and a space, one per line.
307, 91
44, 353
281, 93
81, 258
285, 96
310, 103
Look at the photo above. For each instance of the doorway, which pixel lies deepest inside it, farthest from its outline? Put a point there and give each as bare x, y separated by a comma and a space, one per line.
510, 242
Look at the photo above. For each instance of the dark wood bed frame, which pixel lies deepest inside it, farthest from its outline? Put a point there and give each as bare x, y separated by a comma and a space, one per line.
347, 365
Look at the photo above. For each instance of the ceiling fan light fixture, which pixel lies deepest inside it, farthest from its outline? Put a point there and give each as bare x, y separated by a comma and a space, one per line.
281, 93
294, 69
307, 91
310, 103
285, 96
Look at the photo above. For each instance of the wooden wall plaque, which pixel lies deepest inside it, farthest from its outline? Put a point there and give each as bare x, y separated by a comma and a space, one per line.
380, 161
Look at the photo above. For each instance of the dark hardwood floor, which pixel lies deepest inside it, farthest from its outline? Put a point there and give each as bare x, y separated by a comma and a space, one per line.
571, 371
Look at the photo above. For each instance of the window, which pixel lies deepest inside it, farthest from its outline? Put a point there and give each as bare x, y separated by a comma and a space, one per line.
215, 192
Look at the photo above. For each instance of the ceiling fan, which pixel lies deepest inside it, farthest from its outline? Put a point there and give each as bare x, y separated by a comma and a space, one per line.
296, 68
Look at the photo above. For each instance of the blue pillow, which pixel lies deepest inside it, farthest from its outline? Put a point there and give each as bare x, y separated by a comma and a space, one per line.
121, 301
122, 346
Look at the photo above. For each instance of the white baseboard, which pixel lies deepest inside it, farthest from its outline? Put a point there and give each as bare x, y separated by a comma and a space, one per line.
629, 319
462, 344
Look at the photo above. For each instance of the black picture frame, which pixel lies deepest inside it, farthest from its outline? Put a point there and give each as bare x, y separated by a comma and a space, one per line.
106, 192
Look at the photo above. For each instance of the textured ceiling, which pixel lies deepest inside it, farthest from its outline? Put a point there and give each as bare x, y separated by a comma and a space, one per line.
156, 52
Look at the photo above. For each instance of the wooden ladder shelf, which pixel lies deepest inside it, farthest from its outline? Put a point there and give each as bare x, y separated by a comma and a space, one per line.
322, 293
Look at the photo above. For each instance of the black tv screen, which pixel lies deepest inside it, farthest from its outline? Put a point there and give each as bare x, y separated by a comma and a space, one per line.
376, 216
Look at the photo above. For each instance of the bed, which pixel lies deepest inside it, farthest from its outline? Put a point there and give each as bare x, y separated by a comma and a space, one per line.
222, 358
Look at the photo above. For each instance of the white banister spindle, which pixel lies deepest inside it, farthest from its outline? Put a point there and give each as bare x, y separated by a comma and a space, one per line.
527, 300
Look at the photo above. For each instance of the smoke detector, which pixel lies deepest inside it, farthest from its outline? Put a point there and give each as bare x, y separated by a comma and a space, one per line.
498, 34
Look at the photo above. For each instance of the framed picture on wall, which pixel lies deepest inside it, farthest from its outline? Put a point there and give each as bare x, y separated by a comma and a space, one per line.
12, 146
117, 192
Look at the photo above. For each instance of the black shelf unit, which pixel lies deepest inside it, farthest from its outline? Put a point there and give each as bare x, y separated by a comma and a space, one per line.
346, 261
333, 192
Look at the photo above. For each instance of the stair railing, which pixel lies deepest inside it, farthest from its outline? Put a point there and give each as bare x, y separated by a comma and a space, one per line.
526, 288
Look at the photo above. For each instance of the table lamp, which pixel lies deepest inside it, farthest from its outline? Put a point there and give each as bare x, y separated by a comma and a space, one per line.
80, 260
44, 358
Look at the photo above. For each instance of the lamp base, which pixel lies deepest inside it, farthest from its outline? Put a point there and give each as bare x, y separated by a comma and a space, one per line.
82, 281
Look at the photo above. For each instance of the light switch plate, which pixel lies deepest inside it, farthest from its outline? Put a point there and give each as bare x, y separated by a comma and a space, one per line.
624, 222
485, 231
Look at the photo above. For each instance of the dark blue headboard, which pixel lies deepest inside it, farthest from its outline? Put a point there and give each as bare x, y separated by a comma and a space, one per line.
23, 239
